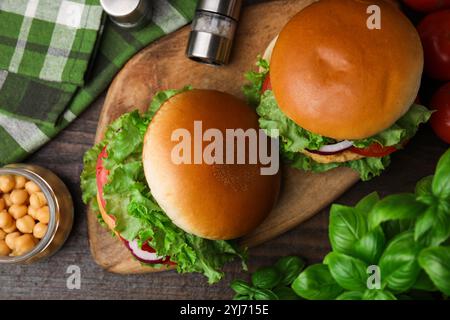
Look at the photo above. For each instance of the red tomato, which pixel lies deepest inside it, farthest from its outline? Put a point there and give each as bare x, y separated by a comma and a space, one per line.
266, 84
440, 120
101, 175
427, 5
434, 30
374, 150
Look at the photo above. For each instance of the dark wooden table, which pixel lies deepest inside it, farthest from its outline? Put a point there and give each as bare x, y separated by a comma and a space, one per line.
47, 279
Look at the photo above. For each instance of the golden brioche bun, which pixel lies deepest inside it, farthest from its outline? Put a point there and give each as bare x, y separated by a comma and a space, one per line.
218, 201
335, 77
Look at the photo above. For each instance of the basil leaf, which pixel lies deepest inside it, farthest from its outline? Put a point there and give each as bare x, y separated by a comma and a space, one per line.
351, 295
423, 187
432, 227
441, 180
350, 273
398, 264
264, 294
346, 227
266, 278
424, 222
378, 295
241, 297
285, 293
424, 282
241, 287
366, 204
395, 207
436, 263
370, 247
394, 227
316, 283
290, 268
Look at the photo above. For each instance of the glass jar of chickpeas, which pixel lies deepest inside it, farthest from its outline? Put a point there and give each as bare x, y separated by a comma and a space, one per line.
36, 213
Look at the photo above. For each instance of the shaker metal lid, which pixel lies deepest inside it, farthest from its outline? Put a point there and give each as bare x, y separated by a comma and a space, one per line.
208, 48
229, 8
119, 8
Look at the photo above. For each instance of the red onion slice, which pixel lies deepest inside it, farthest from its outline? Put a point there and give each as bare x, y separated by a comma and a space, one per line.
142, 255
336, 147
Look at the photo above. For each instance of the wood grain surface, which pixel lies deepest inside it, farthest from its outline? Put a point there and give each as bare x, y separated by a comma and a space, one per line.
163, 65
63, 155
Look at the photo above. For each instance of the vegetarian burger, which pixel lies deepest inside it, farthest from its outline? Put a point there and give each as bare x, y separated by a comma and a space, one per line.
170, 213
339, 85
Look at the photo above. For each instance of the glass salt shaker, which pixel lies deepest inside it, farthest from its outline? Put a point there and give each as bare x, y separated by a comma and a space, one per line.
213, 29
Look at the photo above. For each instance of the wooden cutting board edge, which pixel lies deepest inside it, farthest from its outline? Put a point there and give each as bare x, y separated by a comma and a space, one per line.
126, 264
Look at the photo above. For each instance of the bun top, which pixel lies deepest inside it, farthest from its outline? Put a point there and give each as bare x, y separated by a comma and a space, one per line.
335, 77
213, 201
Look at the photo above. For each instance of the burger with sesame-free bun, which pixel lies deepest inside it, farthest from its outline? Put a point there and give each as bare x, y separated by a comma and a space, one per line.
339, 89
172, 214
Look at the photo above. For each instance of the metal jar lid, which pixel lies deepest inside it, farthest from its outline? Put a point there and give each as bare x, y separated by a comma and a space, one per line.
128, 14
229, 8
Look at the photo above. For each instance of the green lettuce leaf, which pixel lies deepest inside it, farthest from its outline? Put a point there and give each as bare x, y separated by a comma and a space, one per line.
129, 200
367, 168
252, 90
404, 129
293, 137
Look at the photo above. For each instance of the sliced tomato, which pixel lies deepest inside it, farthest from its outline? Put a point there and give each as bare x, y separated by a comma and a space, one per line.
266, 84
102, 175
374, 150
102, 178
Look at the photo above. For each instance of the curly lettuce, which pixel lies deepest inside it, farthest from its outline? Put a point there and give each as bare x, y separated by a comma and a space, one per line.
295, 139
129, 199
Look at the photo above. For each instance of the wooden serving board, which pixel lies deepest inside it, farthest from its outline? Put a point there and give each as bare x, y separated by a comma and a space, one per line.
163, 65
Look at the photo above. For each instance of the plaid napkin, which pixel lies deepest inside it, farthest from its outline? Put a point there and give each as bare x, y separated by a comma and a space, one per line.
48, 40
34, 110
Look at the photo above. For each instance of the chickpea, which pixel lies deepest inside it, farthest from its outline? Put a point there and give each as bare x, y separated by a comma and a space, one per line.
2, 204
4, 249
10, 239
23, 244
39, 230
2, 234
18, 196
7, 183
12, 228
7, 199
18, 211
20, 182
32, 187
43, 214
25, 224
6, 221
38, 200
32, 212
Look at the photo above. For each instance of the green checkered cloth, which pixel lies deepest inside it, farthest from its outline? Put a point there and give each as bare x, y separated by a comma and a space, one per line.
33, 109
49, 40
